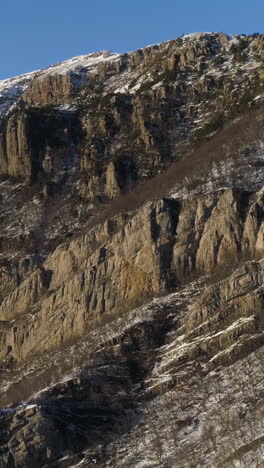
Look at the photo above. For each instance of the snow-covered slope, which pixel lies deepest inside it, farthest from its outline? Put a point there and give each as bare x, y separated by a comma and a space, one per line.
11, 89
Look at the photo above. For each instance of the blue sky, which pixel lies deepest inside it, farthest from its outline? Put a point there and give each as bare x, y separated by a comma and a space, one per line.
38, 33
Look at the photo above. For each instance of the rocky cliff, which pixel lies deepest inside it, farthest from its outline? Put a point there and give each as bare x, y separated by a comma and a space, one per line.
131, 258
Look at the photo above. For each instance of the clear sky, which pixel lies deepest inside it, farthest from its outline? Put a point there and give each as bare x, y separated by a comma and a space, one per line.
38, 33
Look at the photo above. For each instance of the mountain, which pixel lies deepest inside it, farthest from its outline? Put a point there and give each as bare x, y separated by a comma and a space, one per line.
132, 258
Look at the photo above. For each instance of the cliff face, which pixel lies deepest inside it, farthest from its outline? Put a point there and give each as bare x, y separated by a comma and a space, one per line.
135, 112
121, 264
131, 271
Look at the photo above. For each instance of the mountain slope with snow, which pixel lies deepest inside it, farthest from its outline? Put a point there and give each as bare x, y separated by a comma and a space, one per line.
131, 258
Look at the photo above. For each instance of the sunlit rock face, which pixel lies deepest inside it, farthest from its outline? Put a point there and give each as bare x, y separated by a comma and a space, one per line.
131, 258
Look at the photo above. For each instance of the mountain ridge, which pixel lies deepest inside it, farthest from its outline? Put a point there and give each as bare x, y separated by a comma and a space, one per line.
88, 61
131, 259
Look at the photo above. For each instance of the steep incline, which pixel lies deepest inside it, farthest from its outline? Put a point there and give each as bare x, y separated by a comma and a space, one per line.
131, 258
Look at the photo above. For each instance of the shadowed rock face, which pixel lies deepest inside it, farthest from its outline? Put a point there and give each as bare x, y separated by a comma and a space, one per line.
131, 246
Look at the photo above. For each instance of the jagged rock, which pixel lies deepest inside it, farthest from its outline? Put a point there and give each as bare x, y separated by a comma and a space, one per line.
104, 275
